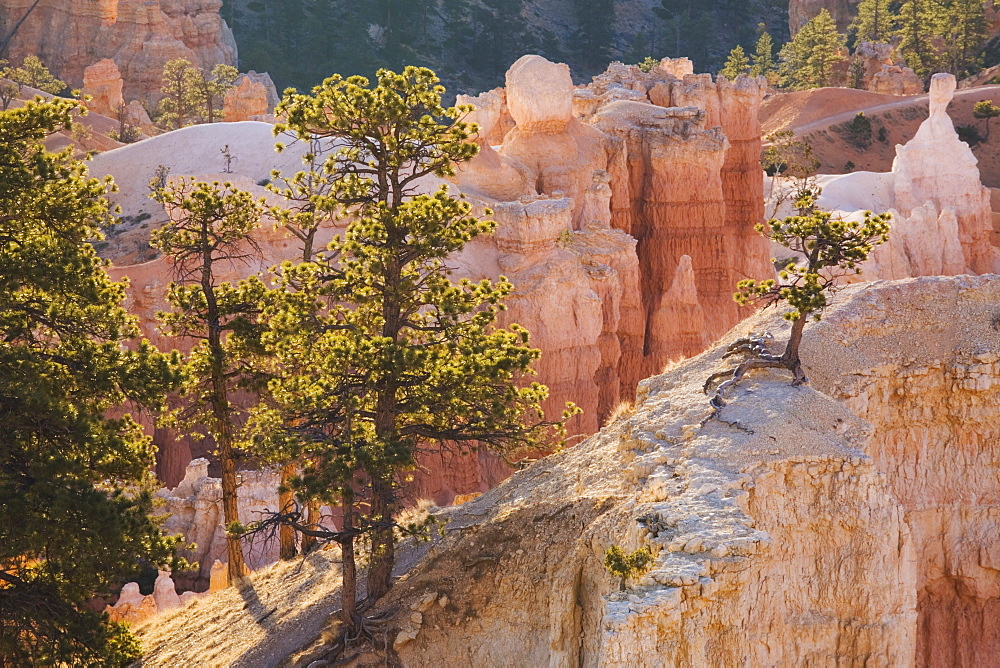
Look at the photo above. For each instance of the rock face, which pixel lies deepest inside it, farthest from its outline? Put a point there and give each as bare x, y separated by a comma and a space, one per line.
102, 81
852, 521
139, 35
801, 12
884, 72
247, 101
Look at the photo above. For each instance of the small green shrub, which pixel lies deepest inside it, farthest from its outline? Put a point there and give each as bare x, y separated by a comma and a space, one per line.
625, 566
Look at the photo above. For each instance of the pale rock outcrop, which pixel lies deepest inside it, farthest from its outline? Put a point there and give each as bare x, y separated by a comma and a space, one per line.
164, 593
102, 81
136, 114
851, 521
139, 35
245, 101
132, 607
896, 80
885, 72
942, 219
936, 167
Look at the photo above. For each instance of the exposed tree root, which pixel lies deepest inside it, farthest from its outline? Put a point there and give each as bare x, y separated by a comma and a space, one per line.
757, 356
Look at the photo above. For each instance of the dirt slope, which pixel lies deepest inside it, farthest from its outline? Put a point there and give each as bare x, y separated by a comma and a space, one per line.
822, 116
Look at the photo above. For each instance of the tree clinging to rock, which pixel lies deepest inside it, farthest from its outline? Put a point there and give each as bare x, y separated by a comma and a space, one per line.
828, 249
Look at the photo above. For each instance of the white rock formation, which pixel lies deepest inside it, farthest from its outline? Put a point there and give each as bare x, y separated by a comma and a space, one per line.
942, 219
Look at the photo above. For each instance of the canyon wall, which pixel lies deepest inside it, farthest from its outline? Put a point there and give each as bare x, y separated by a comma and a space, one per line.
852, 521
140, 36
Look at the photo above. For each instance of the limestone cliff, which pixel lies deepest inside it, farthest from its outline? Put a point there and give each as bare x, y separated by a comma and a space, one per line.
140, 36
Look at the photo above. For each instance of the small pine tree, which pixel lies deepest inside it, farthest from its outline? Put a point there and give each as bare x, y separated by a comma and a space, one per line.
808, 60
34, 74
210, 89
627, 565
763, 58
984, 111
737, 64
179, 106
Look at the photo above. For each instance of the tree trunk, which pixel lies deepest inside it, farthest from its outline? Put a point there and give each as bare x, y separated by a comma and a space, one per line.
791, 354
286, 502
312, 521
383, 541
237, 568
349, 589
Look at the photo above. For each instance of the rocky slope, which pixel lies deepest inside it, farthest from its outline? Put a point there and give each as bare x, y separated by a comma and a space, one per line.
140, 36
850, 522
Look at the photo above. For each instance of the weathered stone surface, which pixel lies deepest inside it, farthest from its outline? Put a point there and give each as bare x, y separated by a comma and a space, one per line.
139, 35
246, 101
103, 83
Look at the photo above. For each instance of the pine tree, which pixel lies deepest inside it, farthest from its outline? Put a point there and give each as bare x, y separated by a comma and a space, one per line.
920, 21
181, 99
875, 22
763, 57
594, 40
830, 248
34, 74
964, 33
984, 111
210, 88
75, 497
737, 64
209, 231
808, 60
384, 354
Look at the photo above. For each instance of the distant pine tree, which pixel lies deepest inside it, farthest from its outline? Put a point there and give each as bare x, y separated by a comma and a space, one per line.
875, 21
737, 64
920, 21
763, 58
808, 60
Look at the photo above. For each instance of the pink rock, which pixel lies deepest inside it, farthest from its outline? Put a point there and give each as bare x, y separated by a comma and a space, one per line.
103, 82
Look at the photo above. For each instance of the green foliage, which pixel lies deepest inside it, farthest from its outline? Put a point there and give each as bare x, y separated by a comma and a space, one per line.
627, 565
874, 22
376, 351
209, 231
984, 110
74, 485
969, 134
34, 74
192, 95
647, 64
737, 64
809, 59
920, 22
857, 132
832, 248
789, 156
763, 58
